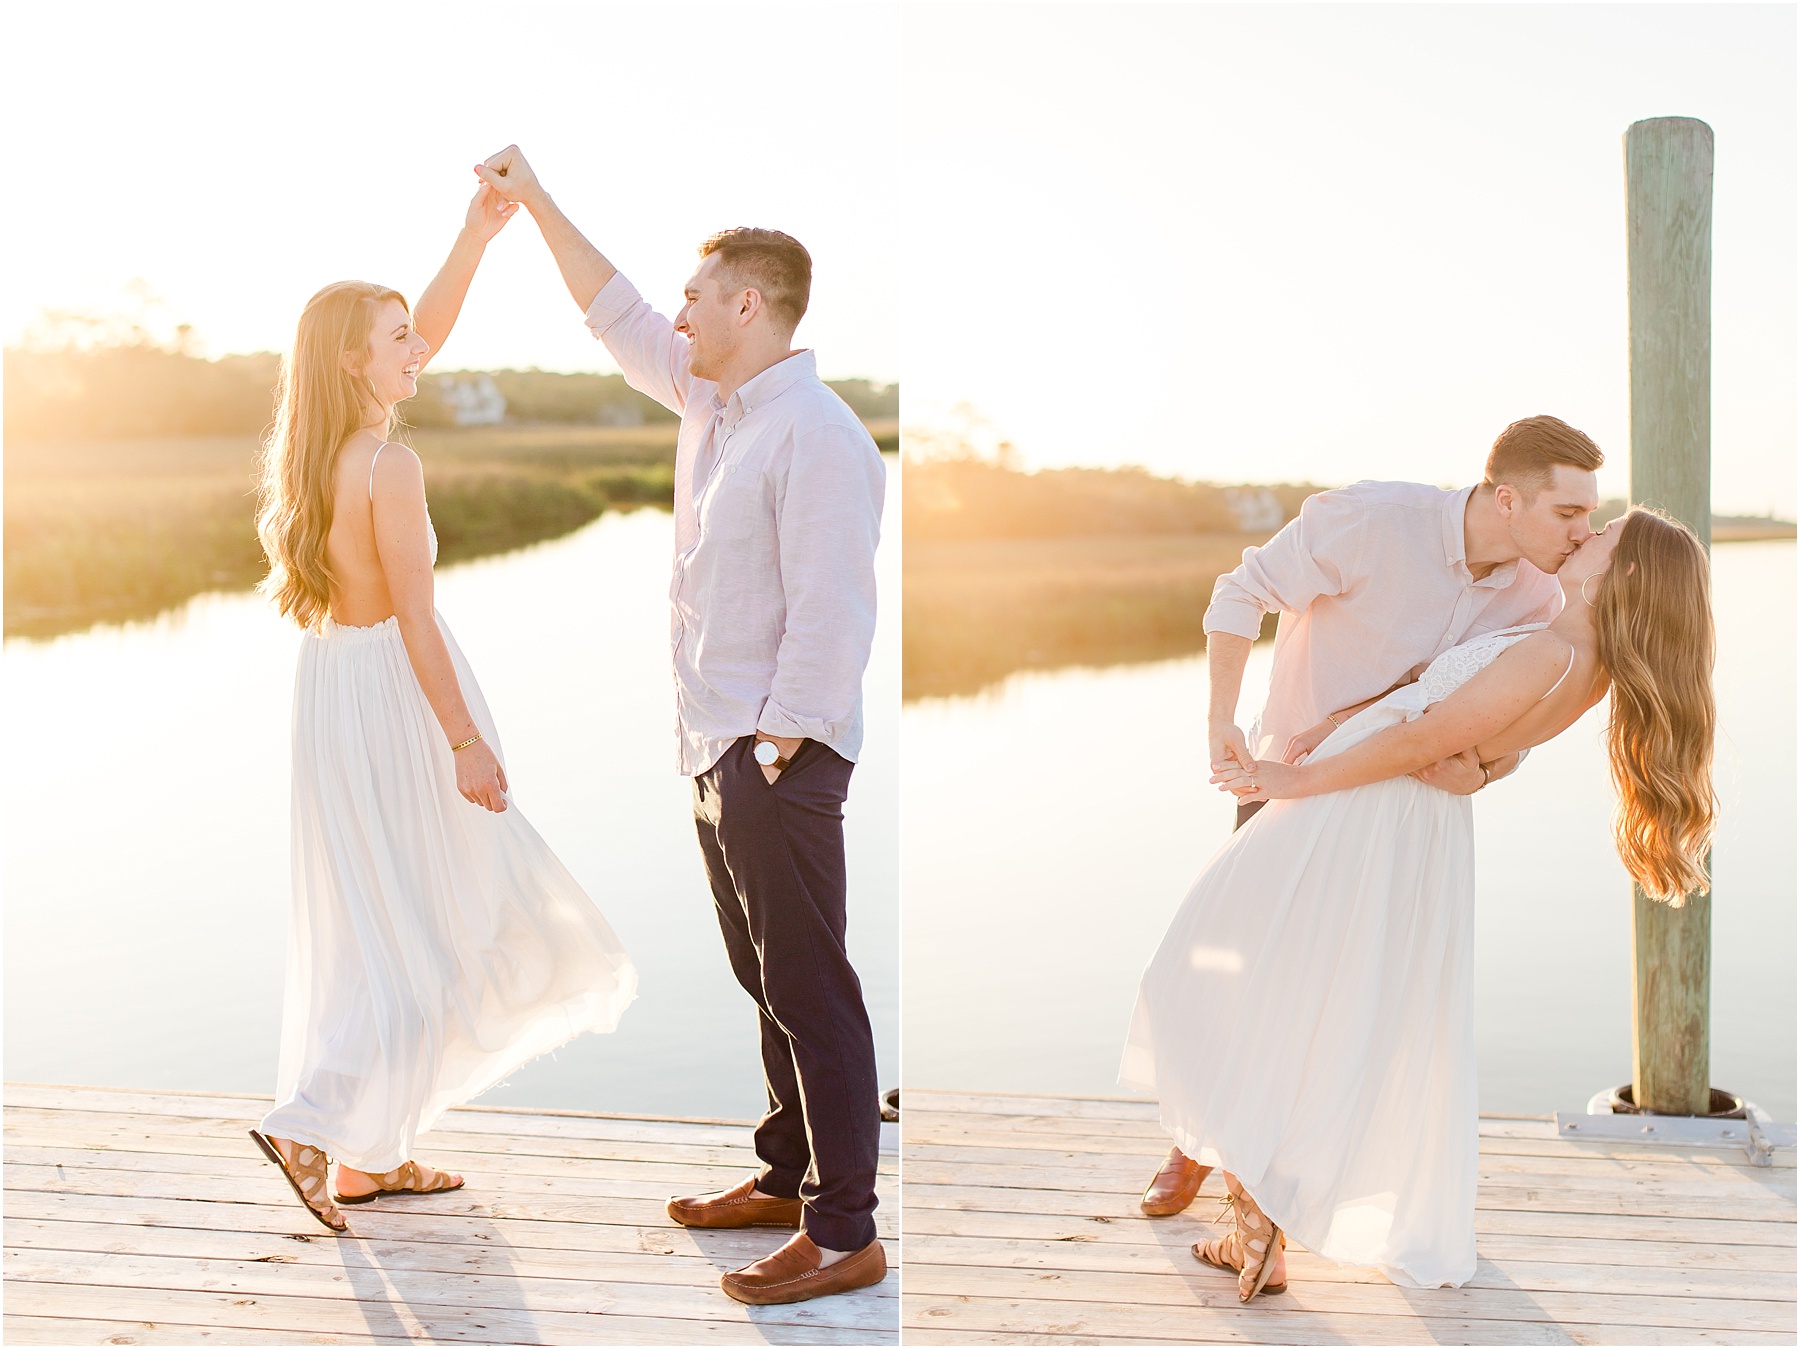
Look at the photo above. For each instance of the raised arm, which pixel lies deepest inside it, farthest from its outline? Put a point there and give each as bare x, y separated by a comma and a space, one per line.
403, 543
652, 355
1477, 714
584, 269
435, 314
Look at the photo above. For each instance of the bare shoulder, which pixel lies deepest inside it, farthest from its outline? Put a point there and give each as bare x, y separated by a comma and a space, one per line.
396, 469
1543, 656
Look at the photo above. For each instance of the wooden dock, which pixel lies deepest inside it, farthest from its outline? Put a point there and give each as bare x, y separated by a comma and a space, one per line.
1022, 1226
140, 1218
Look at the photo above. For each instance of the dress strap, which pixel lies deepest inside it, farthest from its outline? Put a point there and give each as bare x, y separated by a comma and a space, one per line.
372, 462
1564, 675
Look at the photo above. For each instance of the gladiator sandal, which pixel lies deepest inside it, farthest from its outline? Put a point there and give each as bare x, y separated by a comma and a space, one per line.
306, 1175
1249, 1250
404, 1179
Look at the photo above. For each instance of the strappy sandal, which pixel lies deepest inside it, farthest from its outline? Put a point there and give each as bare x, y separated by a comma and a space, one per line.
403, 1179
1249, 1250
307, 1177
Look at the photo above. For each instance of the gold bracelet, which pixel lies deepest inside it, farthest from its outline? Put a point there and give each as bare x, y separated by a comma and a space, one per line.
465, 744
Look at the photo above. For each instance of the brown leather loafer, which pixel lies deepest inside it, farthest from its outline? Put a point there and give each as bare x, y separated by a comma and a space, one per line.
792, 1274
1175, 1185
736, 1207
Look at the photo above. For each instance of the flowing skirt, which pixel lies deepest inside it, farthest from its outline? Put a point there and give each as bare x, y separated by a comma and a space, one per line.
1308, 1021
434, 946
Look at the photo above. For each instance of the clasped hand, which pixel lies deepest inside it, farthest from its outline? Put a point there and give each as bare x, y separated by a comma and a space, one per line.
1234, 769
1260, 780
488, 213
509, 176
1268, 780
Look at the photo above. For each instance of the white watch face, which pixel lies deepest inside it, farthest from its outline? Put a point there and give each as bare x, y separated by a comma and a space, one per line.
766, 753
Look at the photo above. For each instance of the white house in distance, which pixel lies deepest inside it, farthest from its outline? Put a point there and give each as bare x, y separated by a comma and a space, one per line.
1258, 510
474, 400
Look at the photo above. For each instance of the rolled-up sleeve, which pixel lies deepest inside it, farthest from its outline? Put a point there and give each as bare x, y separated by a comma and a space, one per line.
828, 521
652, 356
1316, 553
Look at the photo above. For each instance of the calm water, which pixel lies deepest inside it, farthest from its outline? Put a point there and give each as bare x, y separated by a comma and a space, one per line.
146, 860
1054, 824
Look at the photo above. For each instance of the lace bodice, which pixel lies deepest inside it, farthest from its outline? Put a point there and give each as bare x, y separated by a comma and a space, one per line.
1442, 677
1463, 662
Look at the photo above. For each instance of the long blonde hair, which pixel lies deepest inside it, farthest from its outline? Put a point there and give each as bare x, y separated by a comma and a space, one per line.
319, 406
1654, 624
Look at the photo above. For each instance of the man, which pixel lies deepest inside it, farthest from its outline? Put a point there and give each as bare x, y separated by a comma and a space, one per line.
1373, 581
778, 492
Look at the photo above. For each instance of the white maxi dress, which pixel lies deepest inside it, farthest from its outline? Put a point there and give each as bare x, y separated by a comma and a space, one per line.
434, 946
1308, 1020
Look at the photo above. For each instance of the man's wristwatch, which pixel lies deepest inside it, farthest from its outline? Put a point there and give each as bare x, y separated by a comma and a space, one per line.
769, 756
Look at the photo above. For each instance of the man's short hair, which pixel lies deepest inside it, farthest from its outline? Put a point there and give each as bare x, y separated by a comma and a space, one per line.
770, 262
1526, 454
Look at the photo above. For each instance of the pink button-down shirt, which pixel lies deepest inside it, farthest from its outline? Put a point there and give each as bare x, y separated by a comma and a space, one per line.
778, 495
1370, 580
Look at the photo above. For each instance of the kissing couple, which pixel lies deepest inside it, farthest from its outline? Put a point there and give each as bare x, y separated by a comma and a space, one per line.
1307, 1024
436, 943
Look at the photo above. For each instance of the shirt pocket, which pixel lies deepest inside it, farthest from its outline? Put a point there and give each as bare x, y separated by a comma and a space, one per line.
737, 508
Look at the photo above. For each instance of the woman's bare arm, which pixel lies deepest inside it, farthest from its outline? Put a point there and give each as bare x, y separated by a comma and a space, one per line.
1477, 713
403, 543
434, 316
1545, 720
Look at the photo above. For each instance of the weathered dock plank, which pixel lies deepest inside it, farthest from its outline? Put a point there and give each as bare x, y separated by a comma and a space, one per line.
142, 1217
1022, 1226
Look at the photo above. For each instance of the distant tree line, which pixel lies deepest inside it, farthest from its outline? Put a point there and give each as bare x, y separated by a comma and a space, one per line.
141, 389
976, 498
969, 496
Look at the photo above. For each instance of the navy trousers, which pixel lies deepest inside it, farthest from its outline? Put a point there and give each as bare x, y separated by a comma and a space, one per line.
775, 859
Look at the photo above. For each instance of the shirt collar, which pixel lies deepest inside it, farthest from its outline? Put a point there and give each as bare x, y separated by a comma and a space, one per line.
1456, 555
1456, 506
766, 385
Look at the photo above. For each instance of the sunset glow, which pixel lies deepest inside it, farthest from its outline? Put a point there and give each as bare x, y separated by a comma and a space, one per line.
229, 164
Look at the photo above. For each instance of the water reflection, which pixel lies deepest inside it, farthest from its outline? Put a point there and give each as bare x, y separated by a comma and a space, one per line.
147, 814
1054, 823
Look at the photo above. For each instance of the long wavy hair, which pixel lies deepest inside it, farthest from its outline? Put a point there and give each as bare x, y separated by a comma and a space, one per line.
319, 405
1654, 623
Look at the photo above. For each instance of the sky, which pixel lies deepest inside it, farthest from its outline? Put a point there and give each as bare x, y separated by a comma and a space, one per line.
1263, 243
228, 160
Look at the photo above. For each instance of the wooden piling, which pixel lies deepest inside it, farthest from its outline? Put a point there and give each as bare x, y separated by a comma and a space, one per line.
1668, 195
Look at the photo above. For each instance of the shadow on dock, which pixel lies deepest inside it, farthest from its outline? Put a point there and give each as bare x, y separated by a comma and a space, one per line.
148, 1218
1022, 1227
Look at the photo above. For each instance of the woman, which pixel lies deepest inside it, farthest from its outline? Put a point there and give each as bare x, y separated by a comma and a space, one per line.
1307, 1022
436, 943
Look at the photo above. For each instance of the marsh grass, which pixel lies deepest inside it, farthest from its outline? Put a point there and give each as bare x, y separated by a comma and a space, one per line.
105, 531
112, 530
976, 610
1008, 571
